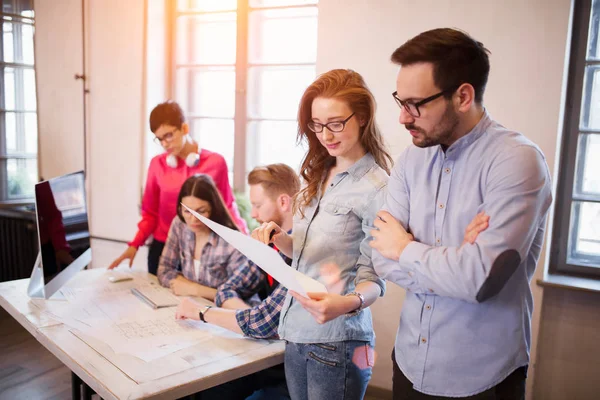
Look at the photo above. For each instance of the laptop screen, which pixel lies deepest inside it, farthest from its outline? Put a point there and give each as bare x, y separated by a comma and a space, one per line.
62, 219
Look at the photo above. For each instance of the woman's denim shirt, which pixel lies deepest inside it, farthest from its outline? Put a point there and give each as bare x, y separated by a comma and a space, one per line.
335, 229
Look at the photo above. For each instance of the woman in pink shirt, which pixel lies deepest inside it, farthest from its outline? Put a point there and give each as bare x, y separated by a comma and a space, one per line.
166, 174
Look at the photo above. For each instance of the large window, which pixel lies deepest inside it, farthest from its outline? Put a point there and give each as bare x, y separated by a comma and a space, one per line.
576, 236
18, 119
240, 69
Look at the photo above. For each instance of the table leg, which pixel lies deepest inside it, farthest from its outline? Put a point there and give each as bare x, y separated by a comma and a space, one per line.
87, 392
75, 387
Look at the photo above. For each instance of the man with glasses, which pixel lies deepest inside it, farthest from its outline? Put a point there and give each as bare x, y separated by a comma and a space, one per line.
465, 325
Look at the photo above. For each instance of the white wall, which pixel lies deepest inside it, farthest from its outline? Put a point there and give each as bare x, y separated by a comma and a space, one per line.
59, 95
527, 40
115, 68
115, 111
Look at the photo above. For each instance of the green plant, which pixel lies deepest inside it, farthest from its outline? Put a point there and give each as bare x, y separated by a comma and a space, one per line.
245, 209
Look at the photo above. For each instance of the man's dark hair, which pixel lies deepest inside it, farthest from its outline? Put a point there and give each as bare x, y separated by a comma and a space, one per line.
167, 113
457, 58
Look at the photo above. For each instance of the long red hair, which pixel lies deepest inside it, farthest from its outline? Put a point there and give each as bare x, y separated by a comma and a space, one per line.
348, 86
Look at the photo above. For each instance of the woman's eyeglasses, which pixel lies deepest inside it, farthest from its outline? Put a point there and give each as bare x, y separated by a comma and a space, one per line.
166, 138
333, 126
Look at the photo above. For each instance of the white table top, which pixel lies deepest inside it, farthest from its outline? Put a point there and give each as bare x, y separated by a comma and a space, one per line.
106, 378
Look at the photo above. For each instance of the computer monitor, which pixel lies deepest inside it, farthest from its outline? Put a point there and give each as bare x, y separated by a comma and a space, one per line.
63, 233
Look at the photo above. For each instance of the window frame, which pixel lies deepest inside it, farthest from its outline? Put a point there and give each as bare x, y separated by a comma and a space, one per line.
242, 66
19, 110
569, 168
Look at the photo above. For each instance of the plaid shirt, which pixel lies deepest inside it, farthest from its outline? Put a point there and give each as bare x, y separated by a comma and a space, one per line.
222, 266
261, 322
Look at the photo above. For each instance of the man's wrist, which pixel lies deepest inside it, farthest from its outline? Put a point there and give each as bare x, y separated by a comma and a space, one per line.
402, 246
202, 313
196, 313
399, 252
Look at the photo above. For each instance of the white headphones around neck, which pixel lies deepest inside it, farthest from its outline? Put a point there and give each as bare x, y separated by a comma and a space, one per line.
192, 160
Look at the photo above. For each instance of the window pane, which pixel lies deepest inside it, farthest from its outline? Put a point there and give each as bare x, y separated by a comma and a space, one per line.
27, 39
274, 142
590, 106
208, 93
26, 88
206, 5
9, 89
215, 135
10, 130
587, 178
31, 133
17, 42
279, 3
29, 89
593, 44
7, 42
283, 36
22, 175
206, 39
585, 224
275, 92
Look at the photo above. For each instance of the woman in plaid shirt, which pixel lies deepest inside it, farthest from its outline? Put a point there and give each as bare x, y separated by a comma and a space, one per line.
210, 267
272, 189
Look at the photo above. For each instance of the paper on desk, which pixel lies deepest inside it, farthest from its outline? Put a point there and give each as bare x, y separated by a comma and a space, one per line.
223, 345
265, 257
147, 337
135, 368
149, 354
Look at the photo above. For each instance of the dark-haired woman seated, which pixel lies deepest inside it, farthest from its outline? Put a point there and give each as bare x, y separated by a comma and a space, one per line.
207, 261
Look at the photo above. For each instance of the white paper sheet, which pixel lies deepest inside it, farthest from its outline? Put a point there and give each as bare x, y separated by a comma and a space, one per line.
136, 368
148, 337
223, 345
265, 257
146, 344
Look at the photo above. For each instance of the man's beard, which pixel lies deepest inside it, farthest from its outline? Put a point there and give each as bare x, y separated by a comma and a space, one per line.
276, 217
441, 134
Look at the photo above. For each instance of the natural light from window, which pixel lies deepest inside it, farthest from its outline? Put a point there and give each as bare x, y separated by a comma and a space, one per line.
18, 119
254, 86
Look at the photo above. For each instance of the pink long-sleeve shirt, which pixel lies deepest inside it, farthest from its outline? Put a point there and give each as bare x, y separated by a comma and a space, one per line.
159, 204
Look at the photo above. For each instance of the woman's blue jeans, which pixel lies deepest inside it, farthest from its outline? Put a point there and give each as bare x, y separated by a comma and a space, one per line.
328, 371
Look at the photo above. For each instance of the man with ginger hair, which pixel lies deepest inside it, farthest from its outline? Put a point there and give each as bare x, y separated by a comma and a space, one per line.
272, 189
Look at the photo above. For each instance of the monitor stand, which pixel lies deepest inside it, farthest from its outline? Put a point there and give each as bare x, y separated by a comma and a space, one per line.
37, 289
36, 282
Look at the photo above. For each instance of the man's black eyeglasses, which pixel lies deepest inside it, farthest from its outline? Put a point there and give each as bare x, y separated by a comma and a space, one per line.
413, 108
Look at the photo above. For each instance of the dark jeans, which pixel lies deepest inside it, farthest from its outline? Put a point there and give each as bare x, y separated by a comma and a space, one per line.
511, 388
154, 252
